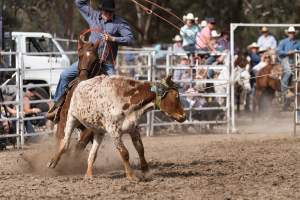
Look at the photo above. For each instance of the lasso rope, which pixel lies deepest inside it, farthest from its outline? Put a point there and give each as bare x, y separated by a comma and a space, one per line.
261, 76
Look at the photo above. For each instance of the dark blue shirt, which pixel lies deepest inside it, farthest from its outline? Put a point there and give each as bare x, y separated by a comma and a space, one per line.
117, 27
254, 59
287, 45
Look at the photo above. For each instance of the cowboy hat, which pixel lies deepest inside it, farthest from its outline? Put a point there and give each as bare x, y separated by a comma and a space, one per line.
108, 5
291, 29
177, 38
215, 34
264, 29
190, 16
203, 23
253, 45
262, 50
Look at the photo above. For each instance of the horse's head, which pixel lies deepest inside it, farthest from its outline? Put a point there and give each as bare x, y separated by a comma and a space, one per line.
276, 76
88, 57
241, 60
277, 72
170, 103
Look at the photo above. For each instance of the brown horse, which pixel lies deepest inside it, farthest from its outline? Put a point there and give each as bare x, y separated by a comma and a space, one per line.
268, 81
88, 67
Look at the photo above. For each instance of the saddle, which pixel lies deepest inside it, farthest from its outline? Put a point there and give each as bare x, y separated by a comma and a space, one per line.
54, 117
58, 105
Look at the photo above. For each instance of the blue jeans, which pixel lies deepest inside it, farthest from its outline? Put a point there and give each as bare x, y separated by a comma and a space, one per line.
70, 74
287, 73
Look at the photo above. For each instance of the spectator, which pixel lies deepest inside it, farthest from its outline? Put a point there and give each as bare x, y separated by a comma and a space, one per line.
224, 41
204, 37
286, 50
214, 56
194, 101
254, 60
184, 19
180, 74
177, 45
130, 60
188, 33
268, 41
203, 24
265, 59
197, 21
31, 110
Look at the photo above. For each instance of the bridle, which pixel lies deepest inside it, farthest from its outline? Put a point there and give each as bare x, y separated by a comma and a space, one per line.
97, 65
161, 90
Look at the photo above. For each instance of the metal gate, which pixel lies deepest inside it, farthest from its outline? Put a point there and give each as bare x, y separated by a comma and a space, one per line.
145, 65
233, 28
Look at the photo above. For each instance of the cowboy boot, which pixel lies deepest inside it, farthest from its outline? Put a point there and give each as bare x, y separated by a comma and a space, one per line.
54, 111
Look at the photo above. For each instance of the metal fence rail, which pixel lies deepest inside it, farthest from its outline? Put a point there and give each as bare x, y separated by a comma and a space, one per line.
142, 65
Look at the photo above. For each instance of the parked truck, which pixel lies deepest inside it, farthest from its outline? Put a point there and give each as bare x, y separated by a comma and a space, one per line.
43, 59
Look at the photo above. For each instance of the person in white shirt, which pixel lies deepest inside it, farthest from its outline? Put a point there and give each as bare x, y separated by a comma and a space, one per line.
265, 59
268, 42
188, 33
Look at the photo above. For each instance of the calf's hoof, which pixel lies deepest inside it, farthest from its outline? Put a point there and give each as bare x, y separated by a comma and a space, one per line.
52, 163
88, 176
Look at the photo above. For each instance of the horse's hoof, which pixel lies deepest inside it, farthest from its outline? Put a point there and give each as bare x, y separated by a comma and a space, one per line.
133, 178
52, 164
145, 170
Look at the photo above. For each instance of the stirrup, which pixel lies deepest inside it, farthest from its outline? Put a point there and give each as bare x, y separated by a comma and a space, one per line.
58, 104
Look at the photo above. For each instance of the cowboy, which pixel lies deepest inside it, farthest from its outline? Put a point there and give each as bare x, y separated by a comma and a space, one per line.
254, 60
286, 50
203, 24
224, 41
115, 31
177, 45
268, 42
265, 60
188, 33
214, 57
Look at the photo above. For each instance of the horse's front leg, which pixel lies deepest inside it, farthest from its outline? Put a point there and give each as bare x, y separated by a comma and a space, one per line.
72, 123
85, 138
257, 99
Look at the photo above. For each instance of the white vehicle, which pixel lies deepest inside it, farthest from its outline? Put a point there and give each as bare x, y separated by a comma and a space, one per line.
43, 58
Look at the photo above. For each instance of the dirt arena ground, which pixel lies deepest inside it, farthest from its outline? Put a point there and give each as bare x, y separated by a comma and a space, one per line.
260, 163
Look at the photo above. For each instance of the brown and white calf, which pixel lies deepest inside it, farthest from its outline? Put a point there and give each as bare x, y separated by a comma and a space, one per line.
115, 105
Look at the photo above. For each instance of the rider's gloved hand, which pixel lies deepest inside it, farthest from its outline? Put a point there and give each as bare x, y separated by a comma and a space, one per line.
108, 37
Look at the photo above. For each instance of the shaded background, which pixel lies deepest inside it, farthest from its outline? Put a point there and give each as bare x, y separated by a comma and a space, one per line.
61, 18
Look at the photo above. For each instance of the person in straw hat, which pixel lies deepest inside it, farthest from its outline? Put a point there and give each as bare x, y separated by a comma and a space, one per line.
253, 54
177, 44
286, 50
188, 33
265, 59
254, 60
268, 41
